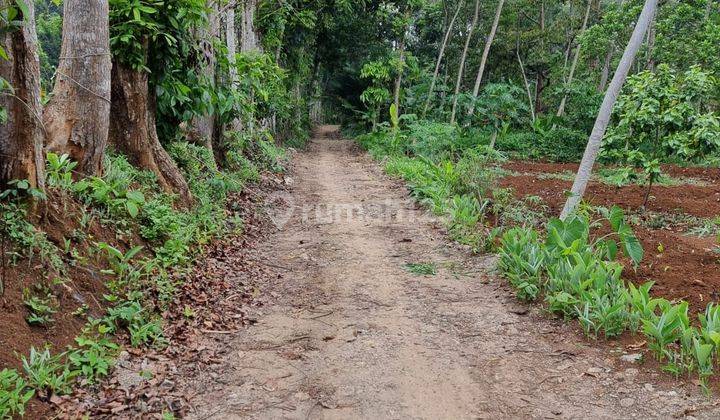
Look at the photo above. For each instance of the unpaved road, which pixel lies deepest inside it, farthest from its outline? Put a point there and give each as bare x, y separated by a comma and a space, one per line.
350, 333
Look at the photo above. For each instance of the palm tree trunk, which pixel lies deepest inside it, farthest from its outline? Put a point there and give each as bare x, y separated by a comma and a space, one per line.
594, 142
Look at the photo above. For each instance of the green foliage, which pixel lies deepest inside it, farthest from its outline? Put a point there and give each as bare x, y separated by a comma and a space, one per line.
579, 277
453, 176
132, 316
48, 23
119, 261
663, 114
15, 226
113, 195
58, 171
580, 280
41, 305
93, 357
498, 104
143, 30
14, 394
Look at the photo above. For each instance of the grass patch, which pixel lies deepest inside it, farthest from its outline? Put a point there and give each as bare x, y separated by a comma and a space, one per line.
422, 269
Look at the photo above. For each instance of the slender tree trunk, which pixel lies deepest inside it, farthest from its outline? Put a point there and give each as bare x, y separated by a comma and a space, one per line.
531, 105
202, 127
540, 76
133, 131
21, 137
603, 118
77, 118
486, 52
401, 70
448, 32
463, 57
605, 75
606, 68
573, 66
650, 45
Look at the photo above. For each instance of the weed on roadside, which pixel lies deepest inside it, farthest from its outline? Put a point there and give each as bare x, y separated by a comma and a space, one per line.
422, 269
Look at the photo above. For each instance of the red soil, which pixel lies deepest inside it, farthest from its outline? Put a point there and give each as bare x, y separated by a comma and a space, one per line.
688, 267
83, 284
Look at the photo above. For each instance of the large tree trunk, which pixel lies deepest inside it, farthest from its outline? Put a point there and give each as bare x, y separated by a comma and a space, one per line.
486, 51
77, 118
463, 57
202, 127
249, 38
21, 137
133, 131
573, 66
448, 32
591, 151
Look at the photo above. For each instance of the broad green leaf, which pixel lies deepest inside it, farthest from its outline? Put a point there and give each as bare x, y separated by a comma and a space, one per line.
616, 217
132, 208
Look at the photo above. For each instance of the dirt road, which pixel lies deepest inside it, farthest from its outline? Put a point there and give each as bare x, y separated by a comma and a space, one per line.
350, 333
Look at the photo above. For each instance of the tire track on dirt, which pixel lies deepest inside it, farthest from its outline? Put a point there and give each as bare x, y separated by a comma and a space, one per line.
349, 333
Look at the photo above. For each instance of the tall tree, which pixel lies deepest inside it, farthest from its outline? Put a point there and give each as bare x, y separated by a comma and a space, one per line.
133, 129
249, 38
598, 132
486, 52
77, 118
21, 136
202, 127
146, 43
400, 71
576, 57
463, 57
441, 53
